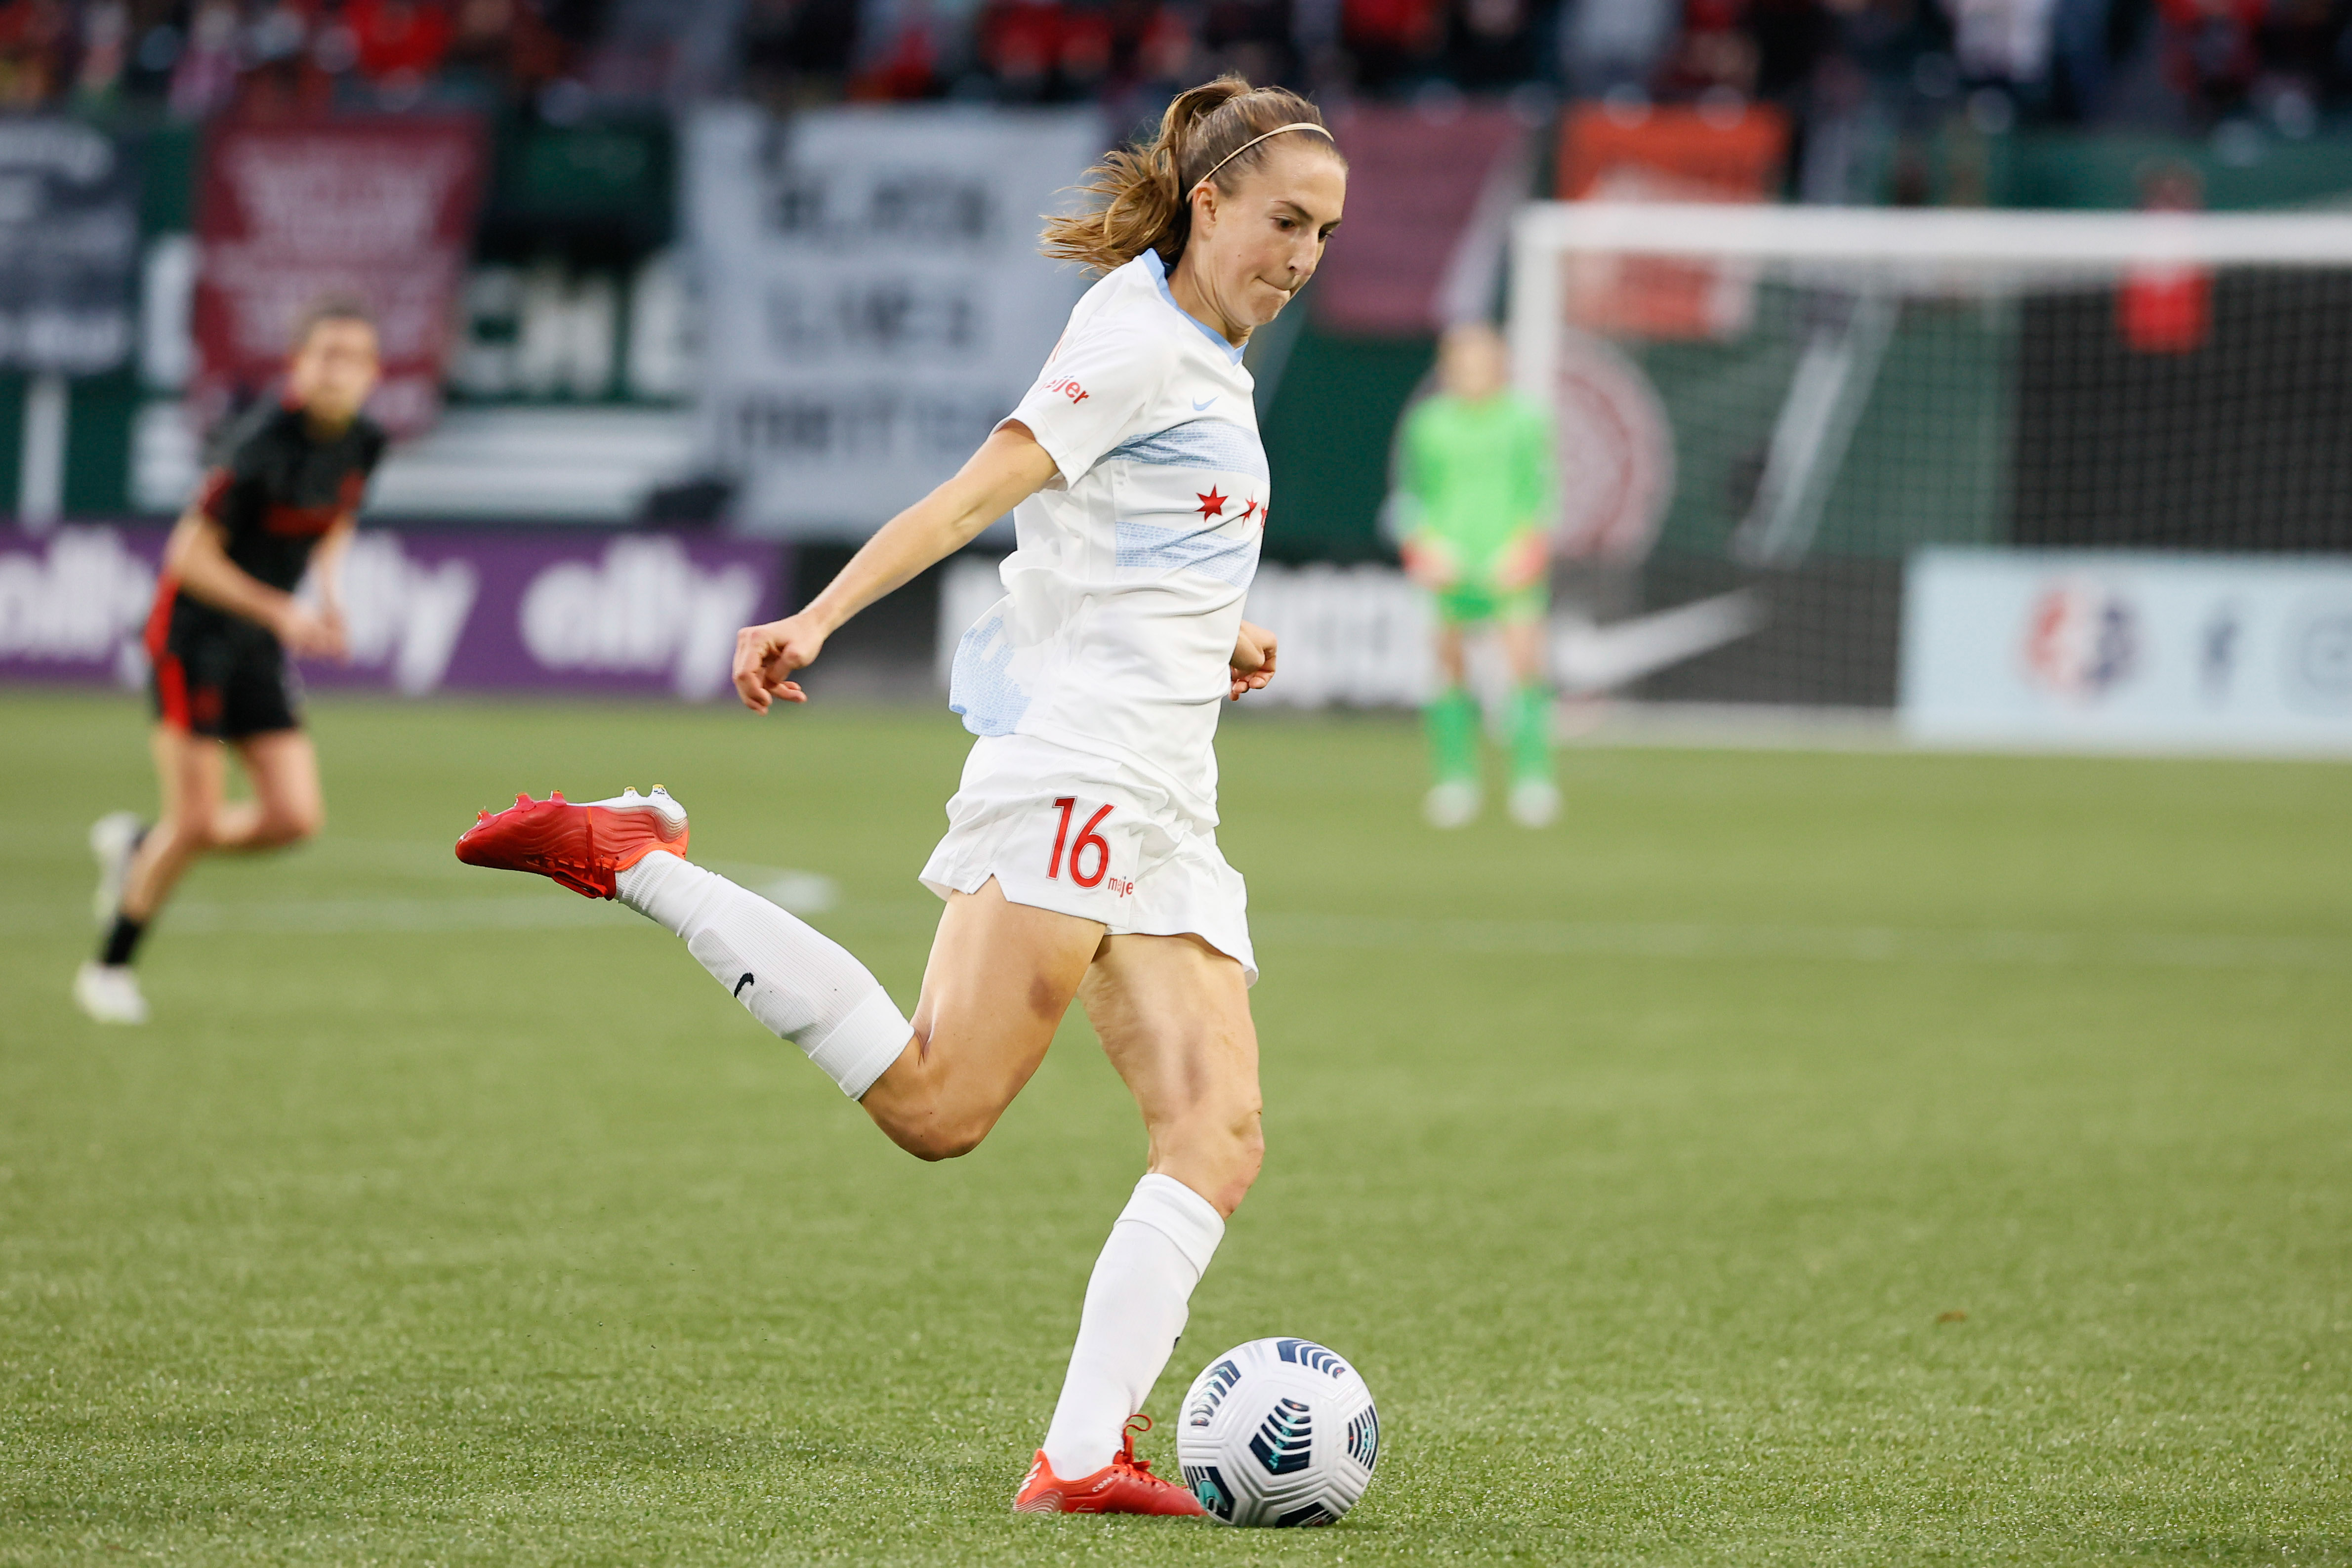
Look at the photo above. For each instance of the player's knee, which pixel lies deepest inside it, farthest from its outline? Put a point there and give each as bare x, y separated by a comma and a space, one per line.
931, 1131
291, 825
940, 1140
1217, 1151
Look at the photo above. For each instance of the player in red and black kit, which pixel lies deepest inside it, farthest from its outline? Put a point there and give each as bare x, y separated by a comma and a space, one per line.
279, 500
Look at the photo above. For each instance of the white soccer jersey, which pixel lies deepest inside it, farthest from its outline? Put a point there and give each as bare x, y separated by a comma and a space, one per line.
1124, 597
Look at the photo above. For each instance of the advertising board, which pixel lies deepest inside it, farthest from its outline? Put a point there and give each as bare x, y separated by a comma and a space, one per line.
2128, 649
382, 208
874, 296
637, 614
68, 247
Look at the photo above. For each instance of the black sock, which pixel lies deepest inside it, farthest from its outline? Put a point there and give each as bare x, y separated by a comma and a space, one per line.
121, 940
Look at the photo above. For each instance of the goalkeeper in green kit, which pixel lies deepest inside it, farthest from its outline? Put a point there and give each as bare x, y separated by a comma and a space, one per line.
1475, 488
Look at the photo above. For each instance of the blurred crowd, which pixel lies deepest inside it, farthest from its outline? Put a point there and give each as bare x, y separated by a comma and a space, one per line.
2142, 64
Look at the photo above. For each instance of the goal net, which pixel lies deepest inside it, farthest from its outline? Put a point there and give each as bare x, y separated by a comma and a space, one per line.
1769, 408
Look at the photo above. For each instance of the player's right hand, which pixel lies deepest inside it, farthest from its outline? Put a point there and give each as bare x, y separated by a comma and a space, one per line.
310, 635
765, 657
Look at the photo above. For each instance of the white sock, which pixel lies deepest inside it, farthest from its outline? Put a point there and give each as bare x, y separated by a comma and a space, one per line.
801, 984
1136, 1306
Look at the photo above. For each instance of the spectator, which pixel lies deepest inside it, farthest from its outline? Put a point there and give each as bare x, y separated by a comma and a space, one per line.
798, 51
2210, 57
400, 42
906, 46
204, 78
1392, 40
1614, 43
36, 37
1494, 43
105, 50
1020, 41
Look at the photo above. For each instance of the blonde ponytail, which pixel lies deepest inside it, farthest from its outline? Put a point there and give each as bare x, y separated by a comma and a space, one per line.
1142, 195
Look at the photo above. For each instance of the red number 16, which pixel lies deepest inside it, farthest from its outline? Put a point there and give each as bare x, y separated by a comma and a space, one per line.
1086, 836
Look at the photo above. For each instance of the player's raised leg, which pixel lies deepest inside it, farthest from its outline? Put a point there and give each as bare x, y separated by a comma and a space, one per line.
1000, 978
1174, 1017
798, 982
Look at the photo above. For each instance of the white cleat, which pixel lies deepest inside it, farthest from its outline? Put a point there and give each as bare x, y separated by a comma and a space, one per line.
109, 993
1454, 804
112, 839
1534, 802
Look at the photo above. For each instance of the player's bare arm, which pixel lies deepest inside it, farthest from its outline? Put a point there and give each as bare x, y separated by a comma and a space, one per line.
197, 557
1252, 660
326, 571
1009, 468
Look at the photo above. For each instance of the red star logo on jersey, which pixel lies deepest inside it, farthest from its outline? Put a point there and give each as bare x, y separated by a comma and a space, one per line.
1249, 511
1211, 504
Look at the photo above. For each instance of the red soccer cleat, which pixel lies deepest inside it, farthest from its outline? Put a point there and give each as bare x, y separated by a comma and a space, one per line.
1126, 1485
582, 846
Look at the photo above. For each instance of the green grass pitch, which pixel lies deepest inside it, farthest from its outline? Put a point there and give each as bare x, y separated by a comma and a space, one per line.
1788, 1158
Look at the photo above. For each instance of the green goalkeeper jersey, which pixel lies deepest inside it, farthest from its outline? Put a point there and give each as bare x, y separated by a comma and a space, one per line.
1479, 473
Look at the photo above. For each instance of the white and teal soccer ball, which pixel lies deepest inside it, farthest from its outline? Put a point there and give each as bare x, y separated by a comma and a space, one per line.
1278, 1432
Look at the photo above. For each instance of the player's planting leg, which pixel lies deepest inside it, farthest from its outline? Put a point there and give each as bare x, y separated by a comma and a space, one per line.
1451, 724
1174, 1017
1535, 799
1137, 1303
137, 869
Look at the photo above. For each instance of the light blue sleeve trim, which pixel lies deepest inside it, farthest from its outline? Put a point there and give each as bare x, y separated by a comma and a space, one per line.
1159, 270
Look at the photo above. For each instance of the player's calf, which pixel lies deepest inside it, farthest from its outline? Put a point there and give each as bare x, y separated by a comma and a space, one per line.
800, 985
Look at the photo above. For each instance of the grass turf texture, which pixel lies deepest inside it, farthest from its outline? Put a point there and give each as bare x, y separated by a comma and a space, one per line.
1645, 1166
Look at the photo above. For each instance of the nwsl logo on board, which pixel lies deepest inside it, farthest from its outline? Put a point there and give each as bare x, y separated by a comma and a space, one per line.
2082, 639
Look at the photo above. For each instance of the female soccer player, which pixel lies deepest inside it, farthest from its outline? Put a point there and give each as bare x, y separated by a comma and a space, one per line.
1081, 857
281, 501
1476, 475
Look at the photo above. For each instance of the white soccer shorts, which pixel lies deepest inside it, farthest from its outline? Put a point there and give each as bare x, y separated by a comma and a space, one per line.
1090, 836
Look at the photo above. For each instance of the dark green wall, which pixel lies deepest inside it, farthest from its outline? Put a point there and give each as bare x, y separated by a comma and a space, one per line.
1327, 437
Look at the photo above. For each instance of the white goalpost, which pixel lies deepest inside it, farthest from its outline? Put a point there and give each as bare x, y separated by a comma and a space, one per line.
1794, 401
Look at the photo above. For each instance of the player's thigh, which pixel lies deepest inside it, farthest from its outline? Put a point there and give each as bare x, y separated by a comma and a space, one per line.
1452, 663
283, 767
999, 977
1523, 645
1174, 1017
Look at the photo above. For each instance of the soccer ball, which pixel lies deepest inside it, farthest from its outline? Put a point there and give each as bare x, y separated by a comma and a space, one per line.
1278, 1432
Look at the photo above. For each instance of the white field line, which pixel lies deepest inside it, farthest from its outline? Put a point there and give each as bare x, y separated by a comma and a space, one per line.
1863, 944
1708, 942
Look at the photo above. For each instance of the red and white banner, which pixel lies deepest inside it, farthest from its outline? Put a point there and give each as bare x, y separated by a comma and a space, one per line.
1421, 186
1668, 154
381, 208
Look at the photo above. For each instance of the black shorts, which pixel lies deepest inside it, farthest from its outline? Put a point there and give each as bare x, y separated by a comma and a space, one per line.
226, 687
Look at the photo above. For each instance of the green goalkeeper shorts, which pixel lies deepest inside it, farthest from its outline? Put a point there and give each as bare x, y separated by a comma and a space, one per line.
1471, 605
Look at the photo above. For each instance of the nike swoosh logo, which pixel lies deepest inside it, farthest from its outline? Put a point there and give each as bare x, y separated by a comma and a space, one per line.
740, 984
1197, 406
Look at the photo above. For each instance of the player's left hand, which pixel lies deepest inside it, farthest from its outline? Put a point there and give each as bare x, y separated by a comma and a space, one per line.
1252, 660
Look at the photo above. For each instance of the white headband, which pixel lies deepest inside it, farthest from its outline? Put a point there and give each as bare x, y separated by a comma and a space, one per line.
1294, 125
